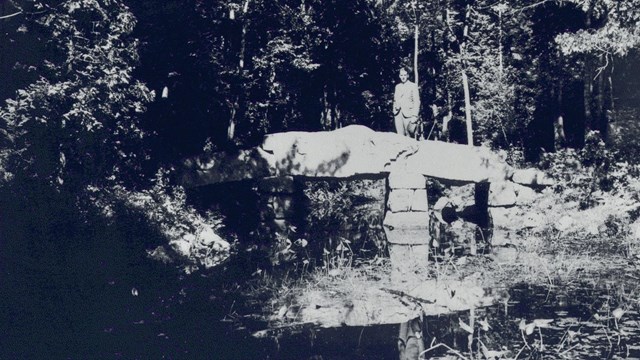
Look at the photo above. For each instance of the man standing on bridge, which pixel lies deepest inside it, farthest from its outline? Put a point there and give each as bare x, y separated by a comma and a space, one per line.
406, 105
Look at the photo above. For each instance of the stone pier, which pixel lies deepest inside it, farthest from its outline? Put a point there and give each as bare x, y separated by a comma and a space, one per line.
406, 222
277, 208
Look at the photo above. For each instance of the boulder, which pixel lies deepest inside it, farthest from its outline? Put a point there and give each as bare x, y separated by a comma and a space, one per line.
531, 177
181, 246
502, 193
635, 230
503, 217
208, 237
524, 194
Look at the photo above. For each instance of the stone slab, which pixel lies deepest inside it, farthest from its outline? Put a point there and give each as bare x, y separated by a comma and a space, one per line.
407, 236
405, 180
281, 185
413, 220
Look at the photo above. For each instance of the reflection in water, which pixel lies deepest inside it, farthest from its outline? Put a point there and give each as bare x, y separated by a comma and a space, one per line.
536, 322
410, 340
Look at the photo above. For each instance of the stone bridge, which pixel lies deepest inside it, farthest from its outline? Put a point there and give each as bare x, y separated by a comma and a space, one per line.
358, 152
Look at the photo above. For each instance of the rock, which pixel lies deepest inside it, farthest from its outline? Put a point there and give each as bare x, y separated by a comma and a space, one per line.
524, 194
182, 247
458, 162
504, 217
502, 193
407, 227
462, 196
402, 180
531, 177
532, 220
441, 203
207, 236
350, 151
564, 223
635, 230
400, 200
420, 202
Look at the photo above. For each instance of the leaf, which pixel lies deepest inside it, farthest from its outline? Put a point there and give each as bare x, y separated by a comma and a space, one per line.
282, 311
617, 313
485, 324
529, 328
465, 327
522, 325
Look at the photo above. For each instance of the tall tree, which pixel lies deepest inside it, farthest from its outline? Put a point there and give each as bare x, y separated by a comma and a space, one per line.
78, 124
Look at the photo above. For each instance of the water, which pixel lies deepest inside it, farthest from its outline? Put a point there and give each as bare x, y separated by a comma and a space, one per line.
74, 289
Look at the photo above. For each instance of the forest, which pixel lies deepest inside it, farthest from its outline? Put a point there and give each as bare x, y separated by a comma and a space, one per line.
102, 100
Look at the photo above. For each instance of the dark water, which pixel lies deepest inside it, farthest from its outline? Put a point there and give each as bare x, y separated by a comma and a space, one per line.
74, 288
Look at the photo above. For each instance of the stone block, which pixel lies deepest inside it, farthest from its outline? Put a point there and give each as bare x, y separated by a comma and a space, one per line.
275, 226
275, 206
407, 228
524, 194
504, 218
502, 194
531, 177
405, 180
400, 200
418, 220
280, 185
420, 202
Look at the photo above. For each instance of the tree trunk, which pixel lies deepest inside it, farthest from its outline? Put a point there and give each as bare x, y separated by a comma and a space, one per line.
587, 93
600, 99
243, 39
467, 107
415, 53
465, 80
233, 110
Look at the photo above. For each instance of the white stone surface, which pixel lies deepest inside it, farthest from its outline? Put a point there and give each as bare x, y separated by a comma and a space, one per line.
400, 200
531, 177
524, 194
346, 152
420, 201
406, 180
502, 193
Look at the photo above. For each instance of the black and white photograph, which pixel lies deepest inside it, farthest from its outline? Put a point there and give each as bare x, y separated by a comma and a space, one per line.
320, 179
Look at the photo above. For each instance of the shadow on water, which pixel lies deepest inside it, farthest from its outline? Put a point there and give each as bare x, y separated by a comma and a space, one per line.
84, 289
535, 322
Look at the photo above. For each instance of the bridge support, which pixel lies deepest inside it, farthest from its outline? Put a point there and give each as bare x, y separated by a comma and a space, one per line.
277, 211
406, 222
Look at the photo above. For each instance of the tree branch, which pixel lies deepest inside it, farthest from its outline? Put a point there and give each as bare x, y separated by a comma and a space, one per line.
11, 15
